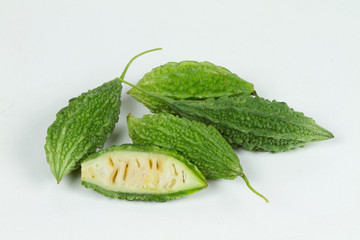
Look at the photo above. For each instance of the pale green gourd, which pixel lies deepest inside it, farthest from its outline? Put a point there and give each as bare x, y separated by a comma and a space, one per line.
188, 80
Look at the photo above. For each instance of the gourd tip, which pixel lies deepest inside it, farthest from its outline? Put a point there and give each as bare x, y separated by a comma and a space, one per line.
242, 175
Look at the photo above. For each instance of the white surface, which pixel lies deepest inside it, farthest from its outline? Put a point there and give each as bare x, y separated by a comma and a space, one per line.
305, 53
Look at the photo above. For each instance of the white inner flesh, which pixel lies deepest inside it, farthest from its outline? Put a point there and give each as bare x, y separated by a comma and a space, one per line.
139, 172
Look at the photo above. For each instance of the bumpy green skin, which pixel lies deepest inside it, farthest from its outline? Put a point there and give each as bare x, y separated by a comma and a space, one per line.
254, 123
139, 197
145, 197
202, 145
82, 127
189, 80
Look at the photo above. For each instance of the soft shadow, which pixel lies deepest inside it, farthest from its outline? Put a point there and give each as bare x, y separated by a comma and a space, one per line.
115, 137
133, 107
121, 134
74, 178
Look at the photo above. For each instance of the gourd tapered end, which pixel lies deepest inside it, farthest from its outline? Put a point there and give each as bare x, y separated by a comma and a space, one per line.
242, 175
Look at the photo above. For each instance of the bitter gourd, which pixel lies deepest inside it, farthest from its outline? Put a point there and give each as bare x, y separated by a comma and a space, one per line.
251, 122
136, 172
201, 144
83, 126
255, 123
188, 80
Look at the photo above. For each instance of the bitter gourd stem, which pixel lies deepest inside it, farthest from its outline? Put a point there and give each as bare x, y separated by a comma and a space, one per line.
161, 98
242, 175
128, 65
254, 93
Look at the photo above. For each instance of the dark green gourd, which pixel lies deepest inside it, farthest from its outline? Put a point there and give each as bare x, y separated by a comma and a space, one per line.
251, 122
141, 172
188, 80
83, 126
202, 145
255, 123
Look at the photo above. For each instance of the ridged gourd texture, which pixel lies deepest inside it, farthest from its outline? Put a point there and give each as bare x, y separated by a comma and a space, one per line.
254, 123
200, 144
188, 80
82, 127
139, 196
146, 196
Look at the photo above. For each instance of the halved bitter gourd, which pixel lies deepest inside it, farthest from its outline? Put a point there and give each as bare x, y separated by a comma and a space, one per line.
136, 172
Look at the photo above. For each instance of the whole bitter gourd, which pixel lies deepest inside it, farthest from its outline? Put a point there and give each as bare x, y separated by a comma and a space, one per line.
202, 145
83, 126
251, 122
136, 172
188, 80
255, 123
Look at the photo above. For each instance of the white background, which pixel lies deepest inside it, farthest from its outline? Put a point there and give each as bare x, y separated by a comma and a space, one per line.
306, 53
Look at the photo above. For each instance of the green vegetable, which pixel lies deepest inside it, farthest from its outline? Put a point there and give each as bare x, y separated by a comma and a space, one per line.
188, 80
251, 122
136, 172
200, 144
83, 126
255, 123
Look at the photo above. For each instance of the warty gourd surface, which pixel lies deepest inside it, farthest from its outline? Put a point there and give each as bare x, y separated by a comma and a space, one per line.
83, 126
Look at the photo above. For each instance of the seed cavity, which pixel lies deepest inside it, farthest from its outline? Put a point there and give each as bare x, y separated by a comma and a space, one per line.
159, 165
143, 176
138, 164
145, 181
183, 176
110, 162
114, 175
150, 163
133, 177
125, 171
157, 180
176, 173
92, 172
172, 183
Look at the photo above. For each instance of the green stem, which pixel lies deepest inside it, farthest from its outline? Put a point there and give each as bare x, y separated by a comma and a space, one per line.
242, 175
165, 100
128, 65
131, 85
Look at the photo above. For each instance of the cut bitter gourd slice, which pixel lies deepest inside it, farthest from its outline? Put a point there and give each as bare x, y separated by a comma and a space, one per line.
136, 172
